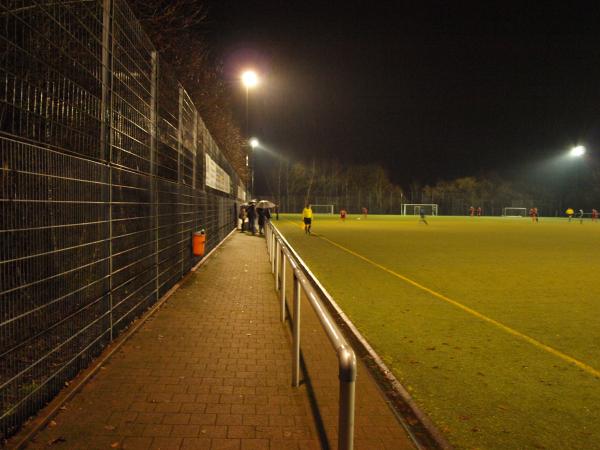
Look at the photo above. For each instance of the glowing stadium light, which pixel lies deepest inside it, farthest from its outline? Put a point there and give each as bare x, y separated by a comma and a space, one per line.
250, 79
254, 143
578, 151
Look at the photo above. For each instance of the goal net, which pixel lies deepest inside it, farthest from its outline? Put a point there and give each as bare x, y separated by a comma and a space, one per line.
414, 209
514, 212
322, 209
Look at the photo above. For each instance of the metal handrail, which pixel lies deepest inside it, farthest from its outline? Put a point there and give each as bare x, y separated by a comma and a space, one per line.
279, 249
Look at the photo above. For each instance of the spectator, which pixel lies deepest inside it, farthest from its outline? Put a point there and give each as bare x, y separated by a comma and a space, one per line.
243, 218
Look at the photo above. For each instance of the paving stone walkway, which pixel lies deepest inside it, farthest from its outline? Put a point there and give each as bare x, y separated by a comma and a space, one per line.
210, 370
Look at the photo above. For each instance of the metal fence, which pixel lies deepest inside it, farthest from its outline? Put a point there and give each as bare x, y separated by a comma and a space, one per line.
102, 183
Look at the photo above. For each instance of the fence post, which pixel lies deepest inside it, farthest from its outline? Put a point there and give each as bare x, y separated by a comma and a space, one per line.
105, 135
153, 168
296, 333
180, 177
195, 145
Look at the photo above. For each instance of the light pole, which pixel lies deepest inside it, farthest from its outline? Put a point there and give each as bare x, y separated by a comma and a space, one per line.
253, 145
249, 80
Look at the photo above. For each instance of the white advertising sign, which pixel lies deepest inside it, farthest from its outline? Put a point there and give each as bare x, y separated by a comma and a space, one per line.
216, 177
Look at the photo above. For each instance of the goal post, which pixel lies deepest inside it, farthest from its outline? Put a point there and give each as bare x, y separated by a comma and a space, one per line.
322, 209
414, 209
510, 211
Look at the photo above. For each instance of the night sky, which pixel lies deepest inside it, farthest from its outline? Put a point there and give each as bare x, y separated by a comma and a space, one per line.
430, 90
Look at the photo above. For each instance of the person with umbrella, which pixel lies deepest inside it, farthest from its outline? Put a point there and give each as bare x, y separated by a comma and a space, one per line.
251, 213
262, 208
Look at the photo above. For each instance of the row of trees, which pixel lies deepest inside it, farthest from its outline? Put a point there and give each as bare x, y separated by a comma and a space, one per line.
352, 187
177, 28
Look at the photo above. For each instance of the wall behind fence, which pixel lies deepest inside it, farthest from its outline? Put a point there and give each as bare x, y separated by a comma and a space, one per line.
102, 182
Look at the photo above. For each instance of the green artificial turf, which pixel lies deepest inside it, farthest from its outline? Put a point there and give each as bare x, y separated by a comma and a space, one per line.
483, 386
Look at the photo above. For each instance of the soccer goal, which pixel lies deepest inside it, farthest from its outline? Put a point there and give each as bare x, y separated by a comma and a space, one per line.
510, 211
322, 209
414, 209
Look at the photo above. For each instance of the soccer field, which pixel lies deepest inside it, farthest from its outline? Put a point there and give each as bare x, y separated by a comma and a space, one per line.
492, 324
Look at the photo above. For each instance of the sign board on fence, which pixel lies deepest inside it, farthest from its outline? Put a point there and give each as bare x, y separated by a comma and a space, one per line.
241, 192
216, 177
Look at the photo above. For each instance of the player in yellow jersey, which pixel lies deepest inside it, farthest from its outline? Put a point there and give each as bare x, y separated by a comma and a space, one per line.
307, 215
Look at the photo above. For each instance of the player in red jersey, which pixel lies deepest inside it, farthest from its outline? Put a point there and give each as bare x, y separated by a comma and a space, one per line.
471, 211
594, 215
343, 214
479, 211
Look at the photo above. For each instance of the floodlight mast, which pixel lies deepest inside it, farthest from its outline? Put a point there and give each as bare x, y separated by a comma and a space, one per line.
253, 145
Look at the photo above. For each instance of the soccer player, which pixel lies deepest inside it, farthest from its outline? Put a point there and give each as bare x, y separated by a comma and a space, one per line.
365, 212
594, 215
343, 214
471, 211
422, 216
580, 215
570, 213
479, 211
307, 215
537, 216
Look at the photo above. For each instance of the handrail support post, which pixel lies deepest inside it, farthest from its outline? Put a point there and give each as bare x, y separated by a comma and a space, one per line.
282, 287
296, 333
276, 258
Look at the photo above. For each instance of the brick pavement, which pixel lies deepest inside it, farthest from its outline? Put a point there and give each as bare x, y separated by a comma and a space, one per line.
212, 370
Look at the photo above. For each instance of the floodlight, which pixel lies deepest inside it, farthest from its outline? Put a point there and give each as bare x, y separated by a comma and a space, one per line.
254, 143
578, 151
250, 79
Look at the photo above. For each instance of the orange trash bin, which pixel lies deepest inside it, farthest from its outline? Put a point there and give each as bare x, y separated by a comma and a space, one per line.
199, 243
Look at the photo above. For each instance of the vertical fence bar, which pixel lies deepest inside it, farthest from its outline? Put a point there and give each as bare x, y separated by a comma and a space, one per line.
282, 287
296, 333
104, 107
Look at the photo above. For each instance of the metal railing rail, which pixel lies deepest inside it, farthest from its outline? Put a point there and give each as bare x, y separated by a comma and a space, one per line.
280, 251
